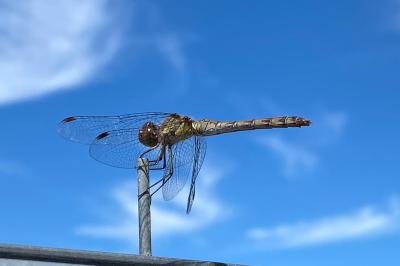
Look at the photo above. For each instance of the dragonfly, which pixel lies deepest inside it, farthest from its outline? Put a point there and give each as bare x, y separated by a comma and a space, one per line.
172, 143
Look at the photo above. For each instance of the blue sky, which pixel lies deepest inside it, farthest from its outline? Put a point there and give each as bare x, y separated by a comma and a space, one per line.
324, 195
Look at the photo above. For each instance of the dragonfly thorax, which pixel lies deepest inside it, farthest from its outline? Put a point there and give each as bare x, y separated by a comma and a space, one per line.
148, 134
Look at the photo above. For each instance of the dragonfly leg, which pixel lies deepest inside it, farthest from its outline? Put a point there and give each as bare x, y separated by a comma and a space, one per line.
149, 150
160, 157
164, 179
159, 168
167, 177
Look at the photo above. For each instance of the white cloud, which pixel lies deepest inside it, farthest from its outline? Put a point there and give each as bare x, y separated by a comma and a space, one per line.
170, 220
171, 47
166, 43
294, 158
367, 221
329, 127
335, 121
299, 155
46, 46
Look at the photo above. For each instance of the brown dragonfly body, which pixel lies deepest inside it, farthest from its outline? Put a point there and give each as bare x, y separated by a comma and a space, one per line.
171, 142
177, 128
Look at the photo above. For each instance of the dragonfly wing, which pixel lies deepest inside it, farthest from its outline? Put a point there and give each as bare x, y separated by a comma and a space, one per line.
180, 154
200, 152
119, 148
184, 163
84, 129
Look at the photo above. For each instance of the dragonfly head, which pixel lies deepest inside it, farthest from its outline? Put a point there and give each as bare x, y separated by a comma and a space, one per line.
148, 134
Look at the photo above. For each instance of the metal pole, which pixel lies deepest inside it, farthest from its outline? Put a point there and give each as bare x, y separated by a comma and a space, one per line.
144, 201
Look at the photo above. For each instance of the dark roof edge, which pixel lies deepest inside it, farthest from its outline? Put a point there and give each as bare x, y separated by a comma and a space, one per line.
72, 256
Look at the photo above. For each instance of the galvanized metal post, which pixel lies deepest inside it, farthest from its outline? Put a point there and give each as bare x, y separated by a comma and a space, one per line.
144, 201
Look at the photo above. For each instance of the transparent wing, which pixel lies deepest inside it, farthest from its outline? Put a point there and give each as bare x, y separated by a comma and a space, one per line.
184, 163
84, 129
182, 157
200, 152
120, 148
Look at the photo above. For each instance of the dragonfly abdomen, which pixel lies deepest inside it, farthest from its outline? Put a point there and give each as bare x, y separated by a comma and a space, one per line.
209, 127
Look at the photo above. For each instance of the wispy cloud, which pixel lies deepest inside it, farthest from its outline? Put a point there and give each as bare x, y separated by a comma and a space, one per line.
46, 46
329, 127
168, 44
336, 121
298, 155
293, 156
171, 47
365, 222
167, 219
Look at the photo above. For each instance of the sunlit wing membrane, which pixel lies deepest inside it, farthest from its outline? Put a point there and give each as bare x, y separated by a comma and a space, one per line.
184, 154
84, 129
119, 148
200, 152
